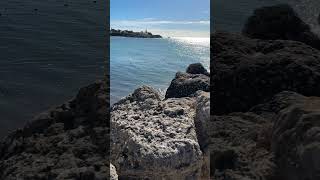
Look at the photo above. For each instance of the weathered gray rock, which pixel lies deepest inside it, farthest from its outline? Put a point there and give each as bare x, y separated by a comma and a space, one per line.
186, 85
155, 139
68, 142
279, 22
113, 173
202, 118
247, 71
278, 139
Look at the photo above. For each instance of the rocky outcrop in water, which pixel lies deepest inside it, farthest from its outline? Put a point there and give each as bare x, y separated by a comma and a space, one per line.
197, 68
187, 84
67, 142
152, 138
279, 22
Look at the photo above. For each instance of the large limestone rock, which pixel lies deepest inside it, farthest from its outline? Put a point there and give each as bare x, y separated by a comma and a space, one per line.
67, 142
155, 139
279, 22
247, 71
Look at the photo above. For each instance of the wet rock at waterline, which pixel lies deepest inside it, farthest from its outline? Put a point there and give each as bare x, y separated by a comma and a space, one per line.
186, 85
197, 68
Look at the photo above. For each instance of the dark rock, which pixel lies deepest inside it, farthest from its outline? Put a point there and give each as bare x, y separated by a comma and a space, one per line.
184, 85
247, 71
278, 139
241, 144
57, 145
197, 68
126, 33
224, 160
279, 22
236, 147
319, 19
296, 140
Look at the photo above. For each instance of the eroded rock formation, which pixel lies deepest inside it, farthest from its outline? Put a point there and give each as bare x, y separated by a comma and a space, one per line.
152, 138
247, 71
265, 114
67, 142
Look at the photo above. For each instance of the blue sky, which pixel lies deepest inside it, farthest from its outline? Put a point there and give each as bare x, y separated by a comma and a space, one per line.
175, 18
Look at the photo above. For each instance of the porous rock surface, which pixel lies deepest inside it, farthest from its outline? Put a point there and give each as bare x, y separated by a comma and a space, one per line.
67, 142
155, 139
246, 71
277, 139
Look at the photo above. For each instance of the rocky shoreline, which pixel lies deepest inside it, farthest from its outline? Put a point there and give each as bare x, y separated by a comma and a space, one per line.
67, 142
154, 138
265, 114
150, 138
264, 120
127, 33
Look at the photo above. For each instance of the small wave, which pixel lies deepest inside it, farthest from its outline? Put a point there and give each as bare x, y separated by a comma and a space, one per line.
162, 92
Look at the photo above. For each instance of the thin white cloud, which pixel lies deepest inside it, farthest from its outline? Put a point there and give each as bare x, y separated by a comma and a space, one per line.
151, 21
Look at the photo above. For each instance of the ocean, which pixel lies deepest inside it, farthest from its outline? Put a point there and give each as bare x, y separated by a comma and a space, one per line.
154, 62
48, 50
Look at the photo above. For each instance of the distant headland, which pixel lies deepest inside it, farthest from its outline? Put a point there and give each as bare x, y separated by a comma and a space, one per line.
127, 33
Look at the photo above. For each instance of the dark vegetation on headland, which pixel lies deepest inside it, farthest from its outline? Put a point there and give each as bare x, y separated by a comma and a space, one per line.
127, 33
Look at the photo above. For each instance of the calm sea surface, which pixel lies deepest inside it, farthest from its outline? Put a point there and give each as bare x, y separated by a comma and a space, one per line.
154, 62
48, 50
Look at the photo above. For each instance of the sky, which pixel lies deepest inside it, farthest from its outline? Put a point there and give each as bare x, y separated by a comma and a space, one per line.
171, 18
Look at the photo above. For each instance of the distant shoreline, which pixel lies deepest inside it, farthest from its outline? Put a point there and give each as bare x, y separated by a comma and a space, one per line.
127, 33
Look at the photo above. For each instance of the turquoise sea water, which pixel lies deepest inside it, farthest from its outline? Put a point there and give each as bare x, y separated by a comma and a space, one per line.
135, 62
